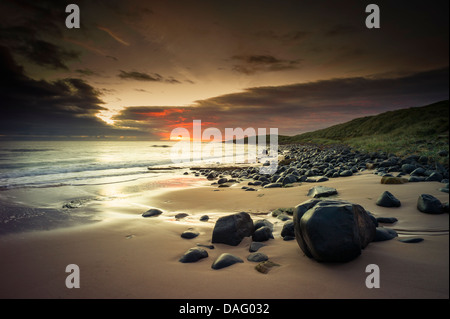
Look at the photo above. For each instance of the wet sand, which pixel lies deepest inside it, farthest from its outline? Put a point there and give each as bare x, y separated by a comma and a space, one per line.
127, 256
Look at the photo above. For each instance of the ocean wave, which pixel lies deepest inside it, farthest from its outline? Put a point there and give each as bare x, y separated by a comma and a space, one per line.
89, 167
64, 180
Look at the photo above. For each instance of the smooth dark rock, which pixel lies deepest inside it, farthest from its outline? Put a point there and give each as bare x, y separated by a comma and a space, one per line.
255, 246
152, 212
383, 234
411, 240
408, 168
387, 220
283, 217
273, 185
262, 234
415, 179
189, 234
204, 218
288, 229
257, 257
288, 238
434, 177
420, 171
346, 173
225, 260
263, 222
222, 180
206, 246
232, 229
388, 200
181, 215
193, 255
321, 191
332, 230
429, 204
283, 210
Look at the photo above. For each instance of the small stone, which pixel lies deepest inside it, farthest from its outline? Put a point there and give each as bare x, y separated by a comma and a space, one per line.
388, 200
225, 260
255, 246
181, 215
321, 191
204, 218
206, 246
193, 255
288, 230
411, 240
189, 234
265, 266
387, 220
152, 212
257, 257
429, 204
262, 234
383, 234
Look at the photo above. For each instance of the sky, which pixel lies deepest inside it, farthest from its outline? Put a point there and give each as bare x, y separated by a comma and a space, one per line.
136, 70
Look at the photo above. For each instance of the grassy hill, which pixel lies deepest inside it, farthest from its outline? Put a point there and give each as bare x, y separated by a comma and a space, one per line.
417, 130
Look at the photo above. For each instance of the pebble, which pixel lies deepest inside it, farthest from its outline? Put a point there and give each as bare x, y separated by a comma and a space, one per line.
225, 260
257, 257
411, 240
189, 234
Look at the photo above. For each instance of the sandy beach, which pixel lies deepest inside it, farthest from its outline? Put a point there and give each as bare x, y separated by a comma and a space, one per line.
127, 256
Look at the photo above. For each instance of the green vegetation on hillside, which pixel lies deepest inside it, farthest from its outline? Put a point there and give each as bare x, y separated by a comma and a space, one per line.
417, 130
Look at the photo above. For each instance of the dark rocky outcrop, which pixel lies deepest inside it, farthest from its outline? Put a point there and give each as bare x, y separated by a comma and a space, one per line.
332, 230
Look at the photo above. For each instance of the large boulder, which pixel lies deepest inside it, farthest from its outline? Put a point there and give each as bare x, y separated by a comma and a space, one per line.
232, 229
332, 230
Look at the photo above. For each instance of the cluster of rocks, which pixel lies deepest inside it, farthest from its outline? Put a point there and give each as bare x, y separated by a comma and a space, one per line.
308, 163
231, 230
327, 230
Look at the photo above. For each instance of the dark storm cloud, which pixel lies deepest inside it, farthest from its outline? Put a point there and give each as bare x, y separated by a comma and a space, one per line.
250, 64
86, 72
42, 108
300, 107
141, 76
36, 33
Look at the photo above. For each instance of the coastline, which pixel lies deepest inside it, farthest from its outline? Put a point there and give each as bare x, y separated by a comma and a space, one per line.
128, 256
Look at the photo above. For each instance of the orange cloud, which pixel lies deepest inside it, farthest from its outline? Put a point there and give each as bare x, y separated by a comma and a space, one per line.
163, 113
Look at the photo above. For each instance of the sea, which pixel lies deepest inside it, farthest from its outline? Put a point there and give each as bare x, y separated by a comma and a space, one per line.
52, 184
38, 164
78, 163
